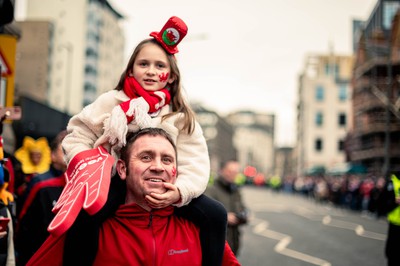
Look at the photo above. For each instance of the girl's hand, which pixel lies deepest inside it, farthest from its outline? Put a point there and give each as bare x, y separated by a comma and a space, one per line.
158, 201
2, 234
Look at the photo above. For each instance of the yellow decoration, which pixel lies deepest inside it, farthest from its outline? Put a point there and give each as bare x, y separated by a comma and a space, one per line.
5, 195
30, 146
1, 148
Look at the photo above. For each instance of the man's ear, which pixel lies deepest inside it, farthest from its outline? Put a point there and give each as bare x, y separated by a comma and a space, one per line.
121, 169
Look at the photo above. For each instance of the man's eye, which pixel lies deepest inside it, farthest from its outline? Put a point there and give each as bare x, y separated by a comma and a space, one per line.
146, 158
167, 160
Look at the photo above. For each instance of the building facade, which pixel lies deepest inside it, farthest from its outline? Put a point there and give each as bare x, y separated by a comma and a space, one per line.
254, 140
83, 44
219, 136
375, 139
323, 112
33, 67
284, 163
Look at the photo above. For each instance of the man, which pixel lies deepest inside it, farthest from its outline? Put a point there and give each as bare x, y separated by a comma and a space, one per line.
41, 195
227, 192
390, 199
138, 234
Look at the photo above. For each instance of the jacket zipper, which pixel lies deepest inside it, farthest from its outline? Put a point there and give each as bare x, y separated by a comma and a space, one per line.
150, 226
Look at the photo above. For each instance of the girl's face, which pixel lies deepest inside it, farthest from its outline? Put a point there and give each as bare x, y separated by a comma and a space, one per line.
151, 68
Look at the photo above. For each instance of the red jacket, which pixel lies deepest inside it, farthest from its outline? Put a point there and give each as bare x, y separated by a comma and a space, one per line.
124, 240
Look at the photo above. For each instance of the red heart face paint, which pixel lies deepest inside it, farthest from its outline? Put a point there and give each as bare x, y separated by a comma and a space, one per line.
174, 172
163, 77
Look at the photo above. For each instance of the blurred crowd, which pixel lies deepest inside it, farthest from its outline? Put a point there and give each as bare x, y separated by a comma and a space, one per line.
31, 180
358, 192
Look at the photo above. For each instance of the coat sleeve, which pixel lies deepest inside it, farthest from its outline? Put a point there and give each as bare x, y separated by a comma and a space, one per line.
10, 240
229, 258
193, 165
50, 253
86, 127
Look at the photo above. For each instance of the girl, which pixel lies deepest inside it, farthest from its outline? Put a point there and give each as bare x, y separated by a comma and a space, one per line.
149, 94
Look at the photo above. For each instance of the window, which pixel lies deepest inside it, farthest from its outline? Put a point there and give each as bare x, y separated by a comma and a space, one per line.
318, 145
90, 70
389, 10
319, 119
319, 93
342, 120
342, 92
90, 52
332, 70
340, 145
327, 69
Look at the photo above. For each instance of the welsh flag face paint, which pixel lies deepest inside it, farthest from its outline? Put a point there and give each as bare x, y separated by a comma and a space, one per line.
174, 172
163, 77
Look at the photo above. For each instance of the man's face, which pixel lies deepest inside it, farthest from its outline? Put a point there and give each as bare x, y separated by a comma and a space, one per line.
230, 171
57, 159
152, 162
35, 156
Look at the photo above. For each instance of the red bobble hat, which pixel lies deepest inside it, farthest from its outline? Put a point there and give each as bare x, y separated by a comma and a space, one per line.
171, 34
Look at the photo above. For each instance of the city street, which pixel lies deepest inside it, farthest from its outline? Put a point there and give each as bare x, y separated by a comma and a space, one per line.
295, 231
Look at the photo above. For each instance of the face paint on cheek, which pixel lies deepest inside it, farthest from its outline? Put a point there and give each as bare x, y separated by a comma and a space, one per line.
173, 172
163, 77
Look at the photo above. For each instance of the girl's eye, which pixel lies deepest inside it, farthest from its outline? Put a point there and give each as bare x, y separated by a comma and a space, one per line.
161, 66
142, 64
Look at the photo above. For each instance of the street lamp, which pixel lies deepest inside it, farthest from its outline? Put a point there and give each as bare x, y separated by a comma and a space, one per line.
70, 50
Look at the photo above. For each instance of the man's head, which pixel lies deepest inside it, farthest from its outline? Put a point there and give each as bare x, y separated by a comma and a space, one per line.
57, 154
229, 171
146, 162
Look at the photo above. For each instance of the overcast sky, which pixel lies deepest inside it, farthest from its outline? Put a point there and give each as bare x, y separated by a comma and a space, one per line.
246, 54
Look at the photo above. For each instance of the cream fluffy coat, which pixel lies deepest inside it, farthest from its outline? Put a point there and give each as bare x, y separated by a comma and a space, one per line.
86, 130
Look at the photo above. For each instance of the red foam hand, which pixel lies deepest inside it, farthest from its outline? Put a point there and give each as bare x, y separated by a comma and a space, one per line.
88, 181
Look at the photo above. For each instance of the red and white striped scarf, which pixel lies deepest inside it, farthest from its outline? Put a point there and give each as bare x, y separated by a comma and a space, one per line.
155, 99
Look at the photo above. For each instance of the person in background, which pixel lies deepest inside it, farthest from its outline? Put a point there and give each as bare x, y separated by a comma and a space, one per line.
42, 193
138, 233
375, 204
390, 199
227, 192
34, 156
7, 253
5, 194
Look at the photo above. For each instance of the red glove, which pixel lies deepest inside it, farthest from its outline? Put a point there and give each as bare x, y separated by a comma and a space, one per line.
87, 183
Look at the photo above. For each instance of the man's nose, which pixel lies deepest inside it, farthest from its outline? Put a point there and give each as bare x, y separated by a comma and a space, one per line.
157, 166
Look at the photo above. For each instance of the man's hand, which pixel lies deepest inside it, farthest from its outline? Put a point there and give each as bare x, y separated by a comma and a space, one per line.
398, 200
232, 219
158, 201
88, 181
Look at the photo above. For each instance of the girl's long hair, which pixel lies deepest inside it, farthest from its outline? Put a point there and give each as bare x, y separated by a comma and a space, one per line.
179, 104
